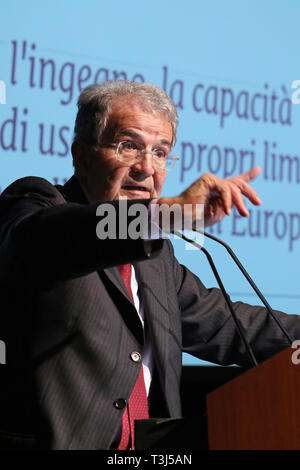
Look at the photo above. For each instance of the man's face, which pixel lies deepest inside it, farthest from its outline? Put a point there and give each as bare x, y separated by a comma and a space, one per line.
105, 177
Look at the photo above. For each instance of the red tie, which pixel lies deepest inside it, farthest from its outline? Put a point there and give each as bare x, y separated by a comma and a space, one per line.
137, 407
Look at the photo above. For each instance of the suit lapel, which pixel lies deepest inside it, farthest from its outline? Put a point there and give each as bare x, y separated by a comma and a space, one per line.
115, 277
115, 285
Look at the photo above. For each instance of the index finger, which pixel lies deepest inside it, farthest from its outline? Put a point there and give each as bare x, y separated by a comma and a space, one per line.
251, 174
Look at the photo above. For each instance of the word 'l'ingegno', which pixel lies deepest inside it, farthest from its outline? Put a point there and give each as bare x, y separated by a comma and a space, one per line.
136, 220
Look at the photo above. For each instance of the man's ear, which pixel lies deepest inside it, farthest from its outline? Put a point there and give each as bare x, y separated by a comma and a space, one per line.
80, 155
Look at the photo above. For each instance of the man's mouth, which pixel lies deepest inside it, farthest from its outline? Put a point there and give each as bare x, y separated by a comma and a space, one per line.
142, 190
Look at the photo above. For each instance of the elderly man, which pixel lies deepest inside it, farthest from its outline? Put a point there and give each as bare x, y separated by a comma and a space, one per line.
95, 328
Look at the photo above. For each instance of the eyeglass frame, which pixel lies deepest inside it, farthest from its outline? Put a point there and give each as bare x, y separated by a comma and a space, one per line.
144, 151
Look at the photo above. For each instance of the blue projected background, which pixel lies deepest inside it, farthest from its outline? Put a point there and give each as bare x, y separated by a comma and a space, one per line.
229, 67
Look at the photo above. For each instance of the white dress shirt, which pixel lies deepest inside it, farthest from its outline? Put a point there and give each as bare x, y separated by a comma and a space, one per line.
147, 355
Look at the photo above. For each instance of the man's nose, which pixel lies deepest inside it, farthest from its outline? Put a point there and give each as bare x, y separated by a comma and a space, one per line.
145, 164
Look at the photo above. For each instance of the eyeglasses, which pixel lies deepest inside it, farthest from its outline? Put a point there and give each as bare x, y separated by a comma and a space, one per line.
133, 152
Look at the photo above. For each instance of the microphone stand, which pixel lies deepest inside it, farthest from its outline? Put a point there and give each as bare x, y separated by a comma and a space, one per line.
251, 282
239, 327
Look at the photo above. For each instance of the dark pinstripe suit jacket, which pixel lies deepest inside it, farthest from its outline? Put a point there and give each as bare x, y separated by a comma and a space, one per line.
69, 325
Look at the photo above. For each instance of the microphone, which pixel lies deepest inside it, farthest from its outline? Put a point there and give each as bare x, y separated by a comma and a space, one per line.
237, 322
251, 282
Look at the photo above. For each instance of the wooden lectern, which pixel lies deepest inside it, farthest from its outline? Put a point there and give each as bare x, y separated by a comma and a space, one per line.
259, 410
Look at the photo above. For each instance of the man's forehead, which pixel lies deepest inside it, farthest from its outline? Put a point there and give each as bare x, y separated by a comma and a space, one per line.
125, 106
131, 111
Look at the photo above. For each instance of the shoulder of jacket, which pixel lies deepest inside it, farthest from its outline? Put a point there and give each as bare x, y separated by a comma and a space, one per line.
33, 187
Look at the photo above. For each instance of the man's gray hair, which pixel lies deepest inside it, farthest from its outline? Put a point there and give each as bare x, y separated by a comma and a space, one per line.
95, 103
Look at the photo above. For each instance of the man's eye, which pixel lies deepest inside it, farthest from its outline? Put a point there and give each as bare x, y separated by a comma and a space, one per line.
130, 145
159, 153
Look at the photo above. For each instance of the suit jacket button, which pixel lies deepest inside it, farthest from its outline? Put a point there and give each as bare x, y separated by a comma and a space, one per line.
120, 404
135, 356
